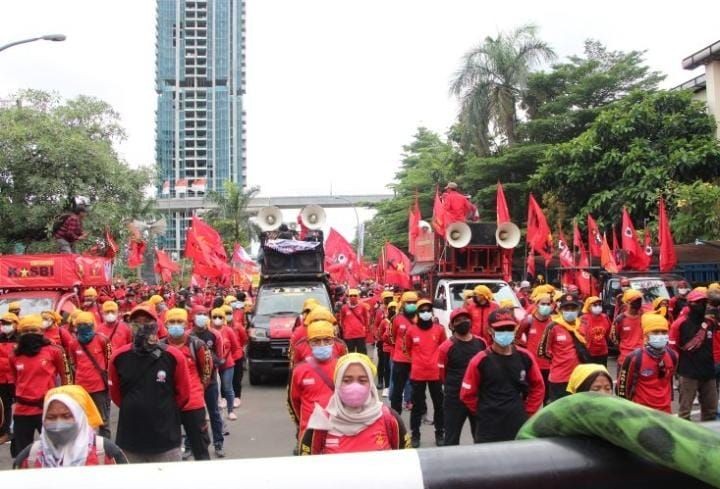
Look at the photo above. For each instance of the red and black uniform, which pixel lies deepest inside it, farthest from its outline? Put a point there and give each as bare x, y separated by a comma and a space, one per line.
454, 356
501, 392
90, 364
7, 382
151, 388
33, 376
645, 377
239, 357
311, 383
423, 344
384, 351
400, 358
60, 337
627, 333
677, 304
354, 322
596, 330
565, 349
102, 452
119, 333
479, 316
387, 433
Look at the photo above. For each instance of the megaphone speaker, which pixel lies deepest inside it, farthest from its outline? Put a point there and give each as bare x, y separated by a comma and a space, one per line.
269, 218
507, 235
313, 217
458, 235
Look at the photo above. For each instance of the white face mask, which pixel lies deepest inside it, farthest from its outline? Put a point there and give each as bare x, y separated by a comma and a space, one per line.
683, 291
46, 323
6, 329
218, 322
110, 318
596, 310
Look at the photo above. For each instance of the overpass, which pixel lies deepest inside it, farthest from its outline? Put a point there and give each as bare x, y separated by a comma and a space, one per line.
284, 202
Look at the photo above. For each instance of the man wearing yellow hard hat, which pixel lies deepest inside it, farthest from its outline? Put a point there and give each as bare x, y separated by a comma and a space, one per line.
480, 311
405, 318
300, 348
354, 321
8, 340
626, 330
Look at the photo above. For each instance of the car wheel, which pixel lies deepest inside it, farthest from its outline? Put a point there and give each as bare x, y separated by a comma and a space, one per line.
255, 378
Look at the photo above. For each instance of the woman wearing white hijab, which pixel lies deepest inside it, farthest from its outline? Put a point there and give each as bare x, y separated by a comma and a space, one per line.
68, 437
355, 419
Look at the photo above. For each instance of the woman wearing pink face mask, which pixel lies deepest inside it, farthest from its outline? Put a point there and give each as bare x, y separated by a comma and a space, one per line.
355, 420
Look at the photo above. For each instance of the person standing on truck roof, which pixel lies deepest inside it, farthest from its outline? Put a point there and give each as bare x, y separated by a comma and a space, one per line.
457, 206
199, 364
502, 386
112, 327
35, 365
626, 331
532, 328
8, 341
149, 382
480, 311
564, 344
693, 340
454, 356
423, 340
68, 229
679, 301
89, 354
354, 320
406, 317
355, 419
595, 327
645, 376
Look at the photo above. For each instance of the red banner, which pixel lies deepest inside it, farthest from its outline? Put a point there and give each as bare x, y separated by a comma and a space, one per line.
54, 271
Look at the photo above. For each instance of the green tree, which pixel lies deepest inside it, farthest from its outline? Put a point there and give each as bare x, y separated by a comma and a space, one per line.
230, 215
636, 150
697, 211
489, 84
52, 150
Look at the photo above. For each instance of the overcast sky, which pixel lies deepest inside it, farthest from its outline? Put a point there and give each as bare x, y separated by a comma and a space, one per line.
335, 87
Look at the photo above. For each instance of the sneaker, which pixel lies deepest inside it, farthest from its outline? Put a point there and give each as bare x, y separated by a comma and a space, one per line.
237, 402
223, 403
439, 438
219, 452
415, 441
232, 417
186, 455
386, 392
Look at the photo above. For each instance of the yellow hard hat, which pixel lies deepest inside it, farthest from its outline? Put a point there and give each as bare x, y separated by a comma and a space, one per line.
484, 291
320, 329
319, 313
156, 299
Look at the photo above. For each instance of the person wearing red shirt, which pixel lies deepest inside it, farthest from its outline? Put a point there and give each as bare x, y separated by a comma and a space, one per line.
57, 335
400, 374
595, 327
90, 303
113, 328
458, 207
8, 341
480, 311
626, 331
35, 365
239, 328
679, 301
355, 419
502, 386
645, 376
200, 367
423, 341
564, 345
311, 381
227, 369
354, 320
300, 348
530, 333
385, 347
89, 355
454, 356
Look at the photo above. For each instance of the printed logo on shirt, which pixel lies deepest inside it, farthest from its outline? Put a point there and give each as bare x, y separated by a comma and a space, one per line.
648, 372
332, 442
380, 439
161, 376
562, 337
533, 330
79, 352
20, 366
626, 328
309, 381
523, 374
416, 339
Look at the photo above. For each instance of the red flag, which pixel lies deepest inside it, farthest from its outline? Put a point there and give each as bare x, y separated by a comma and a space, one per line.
136, 252
594, 237
636, 257
340, 258
439, 219
397, 267
564, 253
112, 247
413, 225
647, 247
618, 254
501, 207
539, 237
204, 246
607, 260
668, 258
530, 263
164, 266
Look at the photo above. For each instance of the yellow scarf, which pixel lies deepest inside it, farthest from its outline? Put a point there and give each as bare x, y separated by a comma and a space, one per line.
573, 328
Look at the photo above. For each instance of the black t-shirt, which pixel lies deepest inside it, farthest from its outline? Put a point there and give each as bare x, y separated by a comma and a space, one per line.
149, 420
209, 338
458, 358
696, 364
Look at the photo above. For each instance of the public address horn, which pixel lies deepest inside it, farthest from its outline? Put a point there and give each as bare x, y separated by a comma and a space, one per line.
269, 218
507, 235
458, 235
313, 217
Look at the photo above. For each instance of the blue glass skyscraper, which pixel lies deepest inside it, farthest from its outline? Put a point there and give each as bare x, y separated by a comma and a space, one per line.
200, 121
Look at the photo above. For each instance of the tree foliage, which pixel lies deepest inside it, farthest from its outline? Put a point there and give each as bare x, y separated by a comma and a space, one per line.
52, 150
230, 215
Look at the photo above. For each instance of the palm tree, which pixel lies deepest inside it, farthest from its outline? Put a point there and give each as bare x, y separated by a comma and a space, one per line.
489, 82
230, 216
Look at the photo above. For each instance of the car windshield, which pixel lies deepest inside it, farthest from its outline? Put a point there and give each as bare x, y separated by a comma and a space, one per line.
34, 305
289, 300
651, 289
501, 291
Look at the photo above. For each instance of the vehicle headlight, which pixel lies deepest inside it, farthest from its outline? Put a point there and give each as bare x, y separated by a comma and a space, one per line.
258, 334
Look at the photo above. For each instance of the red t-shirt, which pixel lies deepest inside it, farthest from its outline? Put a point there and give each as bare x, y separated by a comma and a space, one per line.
197, 390
6, 348
644, 385
558, 345
479, 316
457, 206
34, 376
86, 374
533, 328
400, 325
118, 333
596, 330
628, 334
60, 337
373, 438
308, 387
354, 321
423, 346
231, 347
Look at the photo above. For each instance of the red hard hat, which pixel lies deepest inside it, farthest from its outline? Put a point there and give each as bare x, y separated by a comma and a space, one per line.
460, 311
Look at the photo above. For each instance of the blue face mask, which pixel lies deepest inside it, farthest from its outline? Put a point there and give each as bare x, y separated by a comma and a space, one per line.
570, 316
411, 308
658, 341
322, 353
176, 330
544, 309
201, 321
504, 338
85, 335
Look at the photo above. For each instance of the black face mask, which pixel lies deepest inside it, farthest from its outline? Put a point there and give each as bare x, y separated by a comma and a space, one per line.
697, 310
462, 328
636, 304
31, 343
145, 338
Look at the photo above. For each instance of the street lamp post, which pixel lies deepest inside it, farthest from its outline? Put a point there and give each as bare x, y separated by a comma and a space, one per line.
359, 229
48, 37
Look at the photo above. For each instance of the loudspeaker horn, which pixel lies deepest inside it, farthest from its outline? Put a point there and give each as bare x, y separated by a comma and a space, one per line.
313, 217
507, 235
269, 218
458, 235
425, 226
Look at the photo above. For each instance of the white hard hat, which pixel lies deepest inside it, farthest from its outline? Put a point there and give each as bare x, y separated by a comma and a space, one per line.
524, 284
